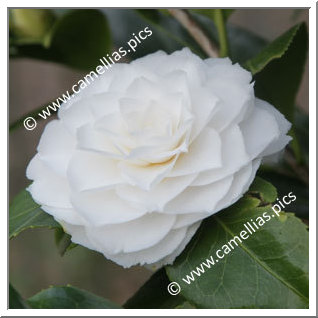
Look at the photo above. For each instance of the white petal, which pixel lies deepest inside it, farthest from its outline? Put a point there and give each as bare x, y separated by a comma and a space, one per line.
89, 170
158, 196
67, 215
123, 75
151, 61
48, 188
92, 139
78, 234
189, 219
234, 157
260, 129
145, 88
204, 106
188, 62
204, 154
283, 125
241, 182
56, 146
199, 199
171, 257
145, 176
101, 207
152, 254
77, 115
104, 104
223, 69
131, 236
235, 101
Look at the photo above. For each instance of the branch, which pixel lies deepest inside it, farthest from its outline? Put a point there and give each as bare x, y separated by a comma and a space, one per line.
195, 31
299, 170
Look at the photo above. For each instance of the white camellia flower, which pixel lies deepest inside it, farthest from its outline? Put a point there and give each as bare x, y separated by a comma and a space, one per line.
138, 159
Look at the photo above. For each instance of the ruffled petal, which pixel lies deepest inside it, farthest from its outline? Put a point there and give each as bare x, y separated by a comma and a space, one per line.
236, 100
89, 170
145, 176
283, 124
171, 257
234, 157
157, 197
204, 154
56, 146
241, 182
101, 207
199, 199
48, 188
67, 215
78, 234
153, 254
131, 236
259, 129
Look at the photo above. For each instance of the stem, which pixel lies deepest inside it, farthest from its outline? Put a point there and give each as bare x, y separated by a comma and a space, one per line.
299, 170
220, 25
296, 147
195, 31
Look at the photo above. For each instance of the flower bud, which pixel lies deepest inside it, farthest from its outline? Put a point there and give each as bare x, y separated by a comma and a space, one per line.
30, 24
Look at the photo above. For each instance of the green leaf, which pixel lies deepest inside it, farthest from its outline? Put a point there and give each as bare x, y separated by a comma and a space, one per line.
63, 241
79, 38
15, 299
185, 305
268, 269
154, 294
68, 297
272, 51
243, 44
265, 190
25, 213
279, 69
285, 184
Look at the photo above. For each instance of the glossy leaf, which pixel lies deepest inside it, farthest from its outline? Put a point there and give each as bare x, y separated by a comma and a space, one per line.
63, 241
185, 305
279, 69
68, 297
272, 51
289, 183
154, 294
269, 269
25, 214
79, 38
266, 191
15, 299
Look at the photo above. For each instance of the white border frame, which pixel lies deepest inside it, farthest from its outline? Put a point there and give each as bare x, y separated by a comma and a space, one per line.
312, 159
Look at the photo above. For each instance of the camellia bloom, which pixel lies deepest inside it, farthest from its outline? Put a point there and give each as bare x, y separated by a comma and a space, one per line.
138, 159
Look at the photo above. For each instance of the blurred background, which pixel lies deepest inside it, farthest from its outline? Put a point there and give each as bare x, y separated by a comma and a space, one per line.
35, 263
